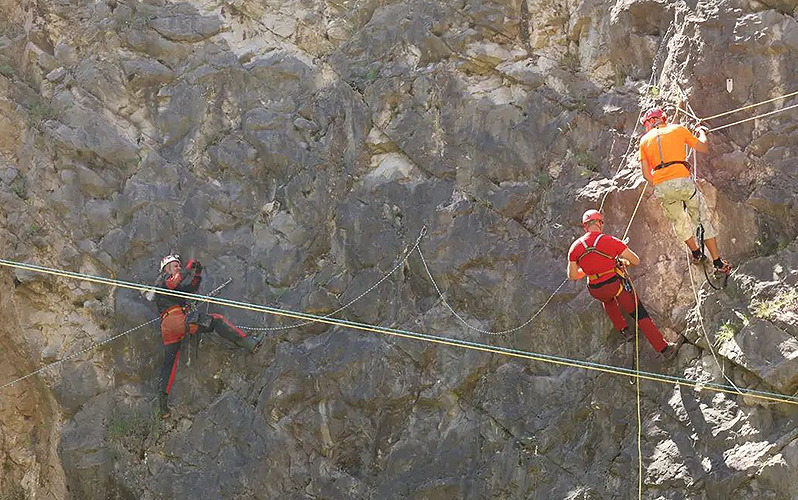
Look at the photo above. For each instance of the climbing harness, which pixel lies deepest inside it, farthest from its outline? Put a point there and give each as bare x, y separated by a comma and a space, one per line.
196, 339
669, 163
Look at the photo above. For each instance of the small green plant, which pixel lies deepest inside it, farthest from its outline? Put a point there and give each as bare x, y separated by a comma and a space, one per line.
653, 91
765, 309
586, 160
6, 70
130, 430
580, 104
544, 179
726, 332
570, 61
372, 75
39, 113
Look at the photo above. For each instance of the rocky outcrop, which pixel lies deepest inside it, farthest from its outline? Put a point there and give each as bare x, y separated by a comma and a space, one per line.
299, 148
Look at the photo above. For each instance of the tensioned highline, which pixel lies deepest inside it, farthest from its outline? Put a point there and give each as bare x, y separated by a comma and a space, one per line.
547, 358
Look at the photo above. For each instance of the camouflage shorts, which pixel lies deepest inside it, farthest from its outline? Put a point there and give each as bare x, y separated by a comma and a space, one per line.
684, 206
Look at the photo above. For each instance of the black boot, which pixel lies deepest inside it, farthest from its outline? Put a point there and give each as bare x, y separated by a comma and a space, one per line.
163, 405
251, 342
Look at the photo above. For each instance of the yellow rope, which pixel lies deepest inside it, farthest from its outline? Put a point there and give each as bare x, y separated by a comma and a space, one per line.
626, 233
409, 335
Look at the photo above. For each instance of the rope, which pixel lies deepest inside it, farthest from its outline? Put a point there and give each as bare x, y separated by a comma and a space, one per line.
753, 118
626, 233
703, 329
637, 392
558, 360
463, 321
750, 106
372, 287
639, 115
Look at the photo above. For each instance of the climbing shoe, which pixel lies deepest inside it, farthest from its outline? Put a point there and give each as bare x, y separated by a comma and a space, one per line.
252, 342
722, 268
163, 406
697, 258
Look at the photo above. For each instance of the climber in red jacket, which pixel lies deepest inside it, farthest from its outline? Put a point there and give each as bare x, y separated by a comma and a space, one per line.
602, 258
175, 324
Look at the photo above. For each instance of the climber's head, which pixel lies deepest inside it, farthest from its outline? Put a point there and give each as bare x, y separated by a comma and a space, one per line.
592, 220
170, 264
653, 117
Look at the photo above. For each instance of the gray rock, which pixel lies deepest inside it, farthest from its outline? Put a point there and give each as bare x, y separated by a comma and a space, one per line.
186, 28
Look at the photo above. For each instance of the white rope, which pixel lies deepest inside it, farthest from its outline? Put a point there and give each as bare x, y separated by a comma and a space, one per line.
754, 118
106, 341
463, 321
751, 106
703, 328
625, 156
369, 290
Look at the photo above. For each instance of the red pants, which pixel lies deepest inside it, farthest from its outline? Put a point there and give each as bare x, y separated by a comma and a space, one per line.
613, 301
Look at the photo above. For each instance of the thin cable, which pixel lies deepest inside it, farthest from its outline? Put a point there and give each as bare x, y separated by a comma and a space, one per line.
72, 356
94, 346
749, 106
701, 324
625, 156
558, 360
463, 320
753, 118
637, 391
372, 287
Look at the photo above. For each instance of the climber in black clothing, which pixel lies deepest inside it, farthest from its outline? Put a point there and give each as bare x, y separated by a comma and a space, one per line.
175, 324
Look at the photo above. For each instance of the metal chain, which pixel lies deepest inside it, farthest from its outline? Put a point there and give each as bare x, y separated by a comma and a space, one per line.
369, 290
72, 356
463, 321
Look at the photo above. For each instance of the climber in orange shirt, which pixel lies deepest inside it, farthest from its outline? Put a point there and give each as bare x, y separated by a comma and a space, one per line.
663, 159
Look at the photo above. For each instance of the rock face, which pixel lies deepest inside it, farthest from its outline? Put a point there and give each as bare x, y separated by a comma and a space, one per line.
300, 147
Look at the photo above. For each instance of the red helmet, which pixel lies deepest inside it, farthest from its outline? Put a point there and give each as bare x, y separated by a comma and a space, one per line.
653, 113
590, 216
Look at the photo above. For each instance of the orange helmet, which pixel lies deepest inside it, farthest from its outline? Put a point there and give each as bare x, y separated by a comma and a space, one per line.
590, 216
653, 113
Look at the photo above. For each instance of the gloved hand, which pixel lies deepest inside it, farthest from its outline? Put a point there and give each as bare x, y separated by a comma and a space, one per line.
194, 264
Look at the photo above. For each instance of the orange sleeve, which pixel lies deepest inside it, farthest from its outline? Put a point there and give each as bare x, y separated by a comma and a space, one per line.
688, 137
